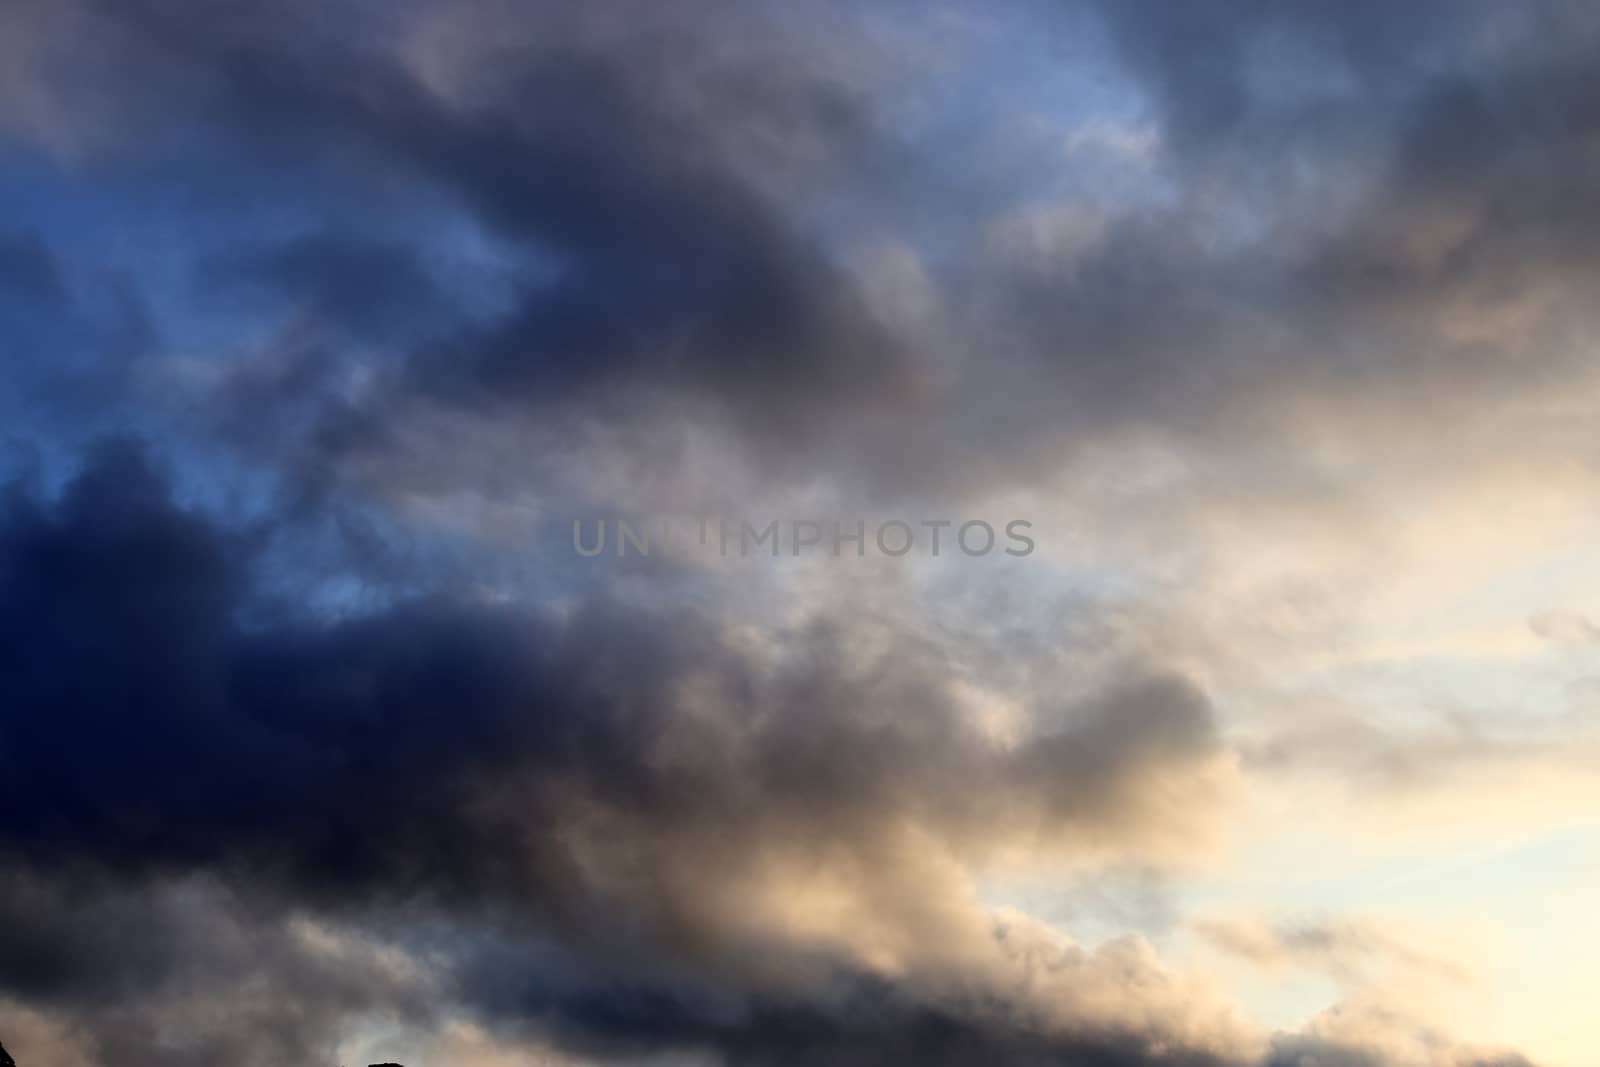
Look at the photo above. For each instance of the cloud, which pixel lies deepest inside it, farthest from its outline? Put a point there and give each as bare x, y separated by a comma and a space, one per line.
641, 253
1569, 627
184, 972
1371, 1034
1346, 948
654, 236
650, 800
28, 272
304, 735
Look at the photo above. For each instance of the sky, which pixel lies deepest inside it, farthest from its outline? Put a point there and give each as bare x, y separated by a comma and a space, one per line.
1259, 731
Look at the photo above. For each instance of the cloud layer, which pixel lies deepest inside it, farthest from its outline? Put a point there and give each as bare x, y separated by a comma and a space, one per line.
323, 325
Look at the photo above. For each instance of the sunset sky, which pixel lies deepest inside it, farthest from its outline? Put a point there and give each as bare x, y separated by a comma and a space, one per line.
324, 321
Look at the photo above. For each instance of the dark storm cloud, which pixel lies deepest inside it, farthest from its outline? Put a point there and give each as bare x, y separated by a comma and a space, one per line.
877, 1032
161, 724
873, 1028
145, 969
581, 854
384, 746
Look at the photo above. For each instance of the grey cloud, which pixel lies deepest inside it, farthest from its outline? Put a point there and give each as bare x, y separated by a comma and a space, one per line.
661, 276
678, 836
1344, 948
1447, 753
184, 972
627, 790
1565, 626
